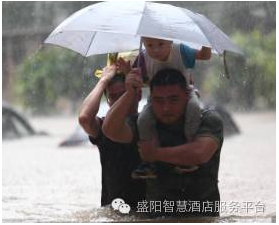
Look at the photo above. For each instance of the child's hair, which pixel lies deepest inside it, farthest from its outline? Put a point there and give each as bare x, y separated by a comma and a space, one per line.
166, 77
119, 77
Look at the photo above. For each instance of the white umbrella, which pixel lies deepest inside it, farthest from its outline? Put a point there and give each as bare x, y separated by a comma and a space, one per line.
117, 26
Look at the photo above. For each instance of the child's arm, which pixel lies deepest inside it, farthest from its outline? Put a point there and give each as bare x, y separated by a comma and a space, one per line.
189, 55
203, 54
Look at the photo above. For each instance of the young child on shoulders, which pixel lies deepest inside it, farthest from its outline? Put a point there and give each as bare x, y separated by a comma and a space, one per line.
160, 54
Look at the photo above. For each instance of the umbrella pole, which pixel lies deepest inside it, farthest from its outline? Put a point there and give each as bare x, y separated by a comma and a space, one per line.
140, 49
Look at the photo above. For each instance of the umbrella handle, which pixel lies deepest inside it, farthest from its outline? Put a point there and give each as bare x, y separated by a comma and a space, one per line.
140, 49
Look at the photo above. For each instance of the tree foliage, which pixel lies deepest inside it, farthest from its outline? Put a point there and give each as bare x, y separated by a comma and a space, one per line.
253, 77
52, 74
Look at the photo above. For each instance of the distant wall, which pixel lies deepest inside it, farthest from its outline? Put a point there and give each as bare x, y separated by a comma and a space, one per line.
25, 25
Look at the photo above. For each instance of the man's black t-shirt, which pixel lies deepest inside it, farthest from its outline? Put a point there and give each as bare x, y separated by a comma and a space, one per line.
200, 185
118, 160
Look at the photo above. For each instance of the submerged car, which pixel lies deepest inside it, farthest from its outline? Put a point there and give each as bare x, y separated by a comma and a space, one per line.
78, 137
15, 125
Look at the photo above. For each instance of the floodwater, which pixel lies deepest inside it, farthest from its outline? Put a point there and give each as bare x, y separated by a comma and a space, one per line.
44, 183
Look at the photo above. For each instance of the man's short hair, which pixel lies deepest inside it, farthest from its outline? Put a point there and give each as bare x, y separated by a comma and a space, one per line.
166, 77
119, 77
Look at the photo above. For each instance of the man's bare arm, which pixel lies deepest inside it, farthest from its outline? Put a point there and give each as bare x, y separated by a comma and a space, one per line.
194, 153
90, 106
115, 126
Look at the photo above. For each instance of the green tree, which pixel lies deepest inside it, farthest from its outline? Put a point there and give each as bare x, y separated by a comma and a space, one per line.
54, 73
253, 79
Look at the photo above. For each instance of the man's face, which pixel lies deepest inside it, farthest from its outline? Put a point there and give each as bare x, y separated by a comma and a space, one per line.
169, 103
114, 92
157, 48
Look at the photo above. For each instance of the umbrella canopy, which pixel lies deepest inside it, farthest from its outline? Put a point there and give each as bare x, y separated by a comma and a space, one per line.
117, 26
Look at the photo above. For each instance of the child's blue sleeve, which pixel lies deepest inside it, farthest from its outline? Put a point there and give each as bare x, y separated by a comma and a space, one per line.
188, 56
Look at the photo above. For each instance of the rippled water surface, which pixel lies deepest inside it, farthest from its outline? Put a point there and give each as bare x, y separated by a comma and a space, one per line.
44, 183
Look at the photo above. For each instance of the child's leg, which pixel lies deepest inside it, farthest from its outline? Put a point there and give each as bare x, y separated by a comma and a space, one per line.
146, 123
146, 127
192, 116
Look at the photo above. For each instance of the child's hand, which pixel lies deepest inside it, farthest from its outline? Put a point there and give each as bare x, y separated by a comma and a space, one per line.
123, 66
204, 53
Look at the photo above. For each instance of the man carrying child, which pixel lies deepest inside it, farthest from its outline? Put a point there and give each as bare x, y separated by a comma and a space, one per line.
171, 149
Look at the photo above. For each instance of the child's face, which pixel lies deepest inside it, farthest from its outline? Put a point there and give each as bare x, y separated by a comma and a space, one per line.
157, 48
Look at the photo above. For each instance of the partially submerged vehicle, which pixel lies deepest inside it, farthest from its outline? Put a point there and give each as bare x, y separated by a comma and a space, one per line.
15, 125
230, 126
78, 137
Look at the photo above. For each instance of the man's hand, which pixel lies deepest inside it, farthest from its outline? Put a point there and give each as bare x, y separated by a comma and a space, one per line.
148, 150
108, 73
133, 81
123, 66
